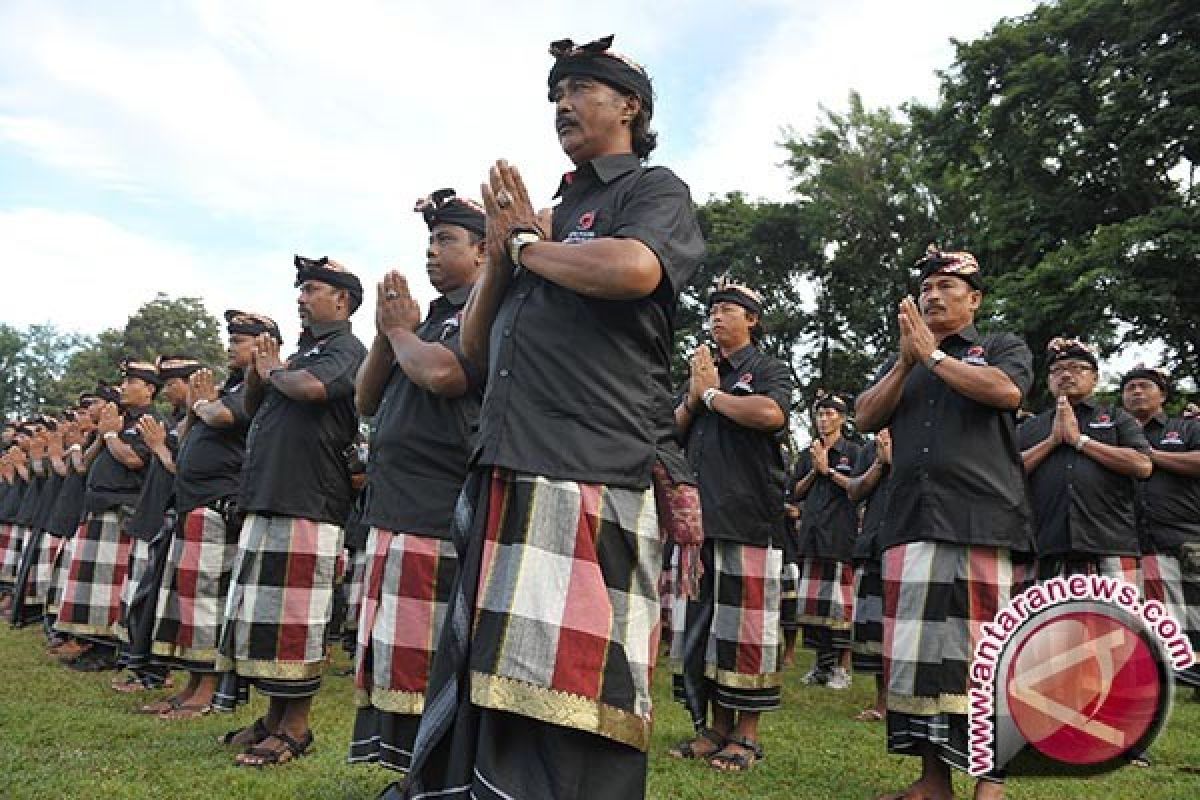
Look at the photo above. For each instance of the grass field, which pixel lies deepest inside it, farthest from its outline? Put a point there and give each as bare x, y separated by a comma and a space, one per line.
67, 735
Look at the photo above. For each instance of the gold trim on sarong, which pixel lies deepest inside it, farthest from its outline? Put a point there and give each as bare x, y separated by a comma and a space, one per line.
83, 629
824, 622
928, 706
867, 648
393, 701
200, 654
738, 680
273, 670
560, 708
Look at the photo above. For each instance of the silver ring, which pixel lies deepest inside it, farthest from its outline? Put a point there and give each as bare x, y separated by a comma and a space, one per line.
503, 198
391, 294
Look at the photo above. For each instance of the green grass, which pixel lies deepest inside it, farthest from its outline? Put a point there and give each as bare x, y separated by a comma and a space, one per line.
67, 735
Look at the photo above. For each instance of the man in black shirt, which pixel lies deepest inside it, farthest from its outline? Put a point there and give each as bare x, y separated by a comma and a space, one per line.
956, 513
118, 458
190, 606
828, 524
1169, 506
296, 493
552, 627
869, 488
424, 397
728, 649
1083, 459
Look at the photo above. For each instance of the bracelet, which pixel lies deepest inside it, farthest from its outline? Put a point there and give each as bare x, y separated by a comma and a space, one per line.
707, 397
195, 406
271, 372
1081, 441
78, 447
110, 435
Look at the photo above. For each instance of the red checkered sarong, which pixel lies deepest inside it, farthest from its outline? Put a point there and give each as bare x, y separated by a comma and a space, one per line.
867, 645
195, 586
566, 620
60, 560
91, 602
139, 561
408, 580
936, 597
42, 572
8, 561
14, 548
281, 599
826, 593
1127, 568
1169, 580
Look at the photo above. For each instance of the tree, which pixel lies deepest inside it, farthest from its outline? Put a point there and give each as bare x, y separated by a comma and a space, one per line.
1062, 153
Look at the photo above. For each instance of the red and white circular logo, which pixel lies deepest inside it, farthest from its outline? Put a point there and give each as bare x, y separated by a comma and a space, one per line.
1084, 688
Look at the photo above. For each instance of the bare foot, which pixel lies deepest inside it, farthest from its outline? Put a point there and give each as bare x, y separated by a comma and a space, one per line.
920, 790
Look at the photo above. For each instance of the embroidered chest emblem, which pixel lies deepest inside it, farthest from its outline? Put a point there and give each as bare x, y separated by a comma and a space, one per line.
1102, 421
583, 228
745, 382
976, 356
1172, 437
451, 326
844, 465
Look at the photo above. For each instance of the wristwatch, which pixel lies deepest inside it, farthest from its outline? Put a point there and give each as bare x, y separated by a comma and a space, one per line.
517, 241
934, 359
1081, 441
110, 435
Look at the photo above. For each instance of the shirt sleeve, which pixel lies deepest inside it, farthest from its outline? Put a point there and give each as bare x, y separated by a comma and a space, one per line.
659, 214
237, 406
882, 372
335, 367
1129, 433
866, 457
1009, 354
1191, 435
774, 380
475, 378
1028, 433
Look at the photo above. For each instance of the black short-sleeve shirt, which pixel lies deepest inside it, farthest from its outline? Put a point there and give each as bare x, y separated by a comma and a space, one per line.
956, 468
12, 499
1169, 503
158, 489
874, 518
30, 500
210, 459
828, 523
68, 508
1082, 508
579, 388
110, 483
48, 499
740, 471
422, 442
295, 462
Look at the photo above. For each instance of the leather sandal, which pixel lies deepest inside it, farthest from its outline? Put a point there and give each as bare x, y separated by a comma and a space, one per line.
687, 749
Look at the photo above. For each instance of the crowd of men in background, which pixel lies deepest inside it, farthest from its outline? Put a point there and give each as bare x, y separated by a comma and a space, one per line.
534, 490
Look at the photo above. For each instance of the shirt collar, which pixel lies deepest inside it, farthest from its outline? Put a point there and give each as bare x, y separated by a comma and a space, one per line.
458, 297
1088, 402
969, 334
606, 168
319, 330
1160, 418
739, 357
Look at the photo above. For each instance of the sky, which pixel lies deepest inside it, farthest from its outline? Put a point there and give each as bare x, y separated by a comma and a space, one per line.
193, 147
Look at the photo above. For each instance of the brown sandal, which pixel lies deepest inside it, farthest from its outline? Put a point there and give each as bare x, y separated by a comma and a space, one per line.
687, 749
273, 756
258, 730
751, 754
186, 711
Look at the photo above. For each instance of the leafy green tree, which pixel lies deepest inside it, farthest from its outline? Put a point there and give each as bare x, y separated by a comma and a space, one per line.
1062, 153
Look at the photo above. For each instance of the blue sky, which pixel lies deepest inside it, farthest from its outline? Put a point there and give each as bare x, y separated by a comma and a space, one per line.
192, 147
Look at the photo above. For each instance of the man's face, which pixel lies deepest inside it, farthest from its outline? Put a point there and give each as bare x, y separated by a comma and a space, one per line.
451, 261
948, 304
829, 420
320, 302
176, 391
94, 407
240, 351
1142, 397
1073, 378
136, 392
730, 324
587, 118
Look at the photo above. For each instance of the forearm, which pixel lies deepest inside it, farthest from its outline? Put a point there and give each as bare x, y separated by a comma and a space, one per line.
861, 486
804, 485
59, 465
255, 392
372, 376
1034, 456
683, 417
987, 386
430, 365
608, 269
480, 313
1122, 460
874, 408
299, 385
756, 412
213, 413
123, 453
165, 457
1186, 465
